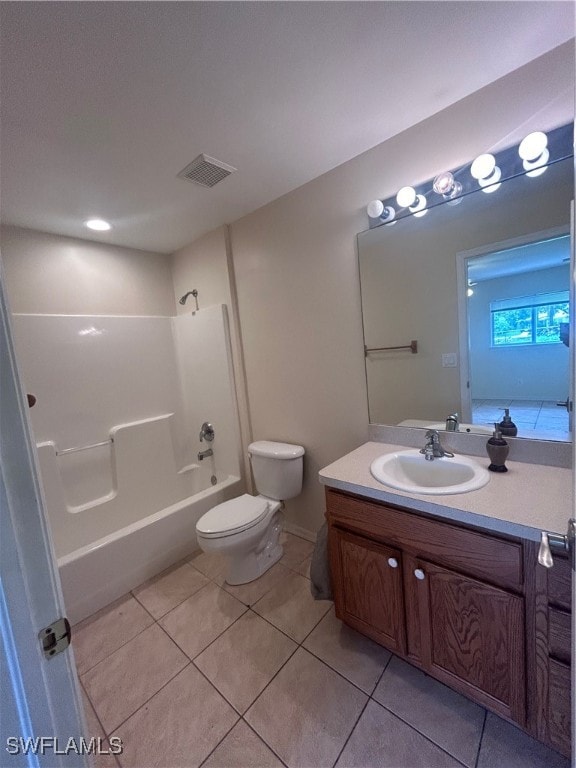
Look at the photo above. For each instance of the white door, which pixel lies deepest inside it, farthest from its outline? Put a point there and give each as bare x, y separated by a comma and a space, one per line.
41, 718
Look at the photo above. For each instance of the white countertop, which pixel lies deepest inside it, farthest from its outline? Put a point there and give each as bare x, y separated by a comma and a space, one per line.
522, 502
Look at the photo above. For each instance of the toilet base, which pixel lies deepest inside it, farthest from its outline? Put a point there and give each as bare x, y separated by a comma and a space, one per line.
246, 566
251, 567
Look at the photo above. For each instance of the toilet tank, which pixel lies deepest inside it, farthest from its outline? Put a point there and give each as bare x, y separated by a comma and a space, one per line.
277, 468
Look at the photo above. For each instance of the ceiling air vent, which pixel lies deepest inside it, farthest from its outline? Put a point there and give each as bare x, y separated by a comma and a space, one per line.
206, 171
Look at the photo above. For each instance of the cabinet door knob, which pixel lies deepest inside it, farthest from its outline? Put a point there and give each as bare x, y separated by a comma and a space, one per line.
392, 562
419, 573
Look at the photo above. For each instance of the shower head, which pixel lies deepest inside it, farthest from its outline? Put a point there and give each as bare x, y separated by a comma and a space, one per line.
190, 293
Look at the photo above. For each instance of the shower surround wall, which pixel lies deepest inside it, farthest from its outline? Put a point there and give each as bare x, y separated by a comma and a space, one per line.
142, 386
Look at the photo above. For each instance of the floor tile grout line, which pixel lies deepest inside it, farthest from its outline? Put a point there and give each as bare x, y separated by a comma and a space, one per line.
228, 732
148, 699
157, 618
211, 641
264, 742
240, 714
425, 736
392, 656
481, 739
274, 676
85, 672
352, 731
283, 631
341, 674
107, 738
262, 595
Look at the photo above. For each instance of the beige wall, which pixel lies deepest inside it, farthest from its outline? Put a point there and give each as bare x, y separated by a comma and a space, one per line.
297, 277
202, 265
52, 274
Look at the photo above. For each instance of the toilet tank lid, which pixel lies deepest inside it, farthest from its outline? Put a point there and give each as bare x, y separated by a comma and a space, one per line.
275, 450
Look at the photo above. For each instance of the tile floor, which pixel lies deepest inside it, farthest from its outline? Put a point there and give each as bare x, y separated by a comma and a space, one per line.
189, 671
541, 419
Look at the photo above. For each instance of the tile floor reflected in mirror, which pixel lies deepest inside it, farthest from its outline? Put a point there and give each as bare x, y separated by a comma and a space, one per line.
189, 671
537, 419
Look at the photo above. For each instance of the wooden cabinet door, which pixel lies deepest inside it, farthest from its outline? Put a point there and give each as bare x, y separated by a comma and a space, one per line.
473, 638
367, 585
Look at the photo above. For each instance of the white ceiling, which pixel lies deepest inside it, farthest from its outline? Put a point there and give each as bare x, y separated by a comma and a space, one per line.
103, 103
531, 257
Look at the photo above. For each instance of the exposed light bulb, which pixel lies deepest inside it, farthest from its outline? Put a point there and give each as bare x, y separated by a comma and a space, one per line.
492, 182
537, 171
483, 166
377, 210
469, 292
374, 209
533, 145
454, 197
99, 225
444, 183
537, 166
419, 206
406, 197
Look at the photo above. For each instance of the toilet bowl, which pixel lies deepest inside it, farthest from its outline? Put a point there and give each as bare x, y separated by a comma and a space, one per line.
246, 530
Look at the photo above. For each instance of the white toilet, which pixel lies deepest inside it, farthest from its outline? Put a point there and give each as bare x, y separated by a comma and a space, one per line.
247, 529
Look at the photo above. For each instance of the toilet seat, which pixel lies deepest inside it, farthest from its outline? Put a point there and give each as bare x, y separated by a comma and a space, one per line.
233, 516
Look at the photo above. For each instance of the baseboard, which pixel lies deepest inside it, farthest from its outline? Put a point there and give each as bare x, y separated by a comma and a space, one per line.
299, 531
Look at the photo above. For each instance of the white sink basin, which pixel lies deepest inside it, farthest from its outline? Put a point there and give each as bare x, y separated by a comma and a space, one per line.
410, 471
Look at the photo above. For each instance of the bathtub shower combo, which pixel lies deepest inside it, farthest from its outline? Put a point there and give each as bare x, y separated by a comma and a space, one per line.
121, 404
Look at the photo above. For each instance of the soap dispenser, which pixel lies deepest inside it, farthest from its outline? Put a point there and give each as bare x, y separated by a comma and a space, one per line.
497, 449
507, 426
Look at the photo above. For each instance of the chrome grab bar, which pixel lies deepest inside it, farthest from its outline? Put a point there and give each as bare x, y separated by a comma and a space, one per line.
84, 447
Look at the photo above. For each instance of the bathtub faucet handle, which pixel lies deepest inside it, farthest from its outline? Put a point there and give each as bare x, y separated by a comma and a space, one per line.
207, 432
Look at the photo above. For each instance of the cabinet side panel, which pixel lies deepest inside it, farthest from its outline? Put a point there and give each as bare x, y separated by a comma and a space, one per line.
559, 706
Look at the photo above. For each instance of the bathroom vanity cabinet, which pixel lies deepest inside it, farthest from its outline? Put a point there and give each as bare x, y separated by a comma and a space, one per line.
470, 607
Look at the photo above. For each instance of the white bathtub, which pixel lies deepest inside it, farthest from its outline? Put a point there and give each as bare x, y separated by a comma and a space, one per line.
98, 573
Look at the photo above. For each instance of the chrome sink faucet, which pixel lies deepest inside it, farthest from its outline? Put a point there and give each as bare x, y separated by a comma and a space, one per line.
452, 422
433, 450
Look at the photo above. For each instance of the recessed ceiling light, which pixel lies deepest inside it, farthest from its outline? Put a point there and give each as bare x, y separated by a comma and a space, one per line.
98, 224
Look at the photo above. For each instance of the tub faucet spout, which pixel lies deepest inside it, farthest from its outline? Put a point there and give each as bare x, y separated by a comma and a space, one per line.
204, 454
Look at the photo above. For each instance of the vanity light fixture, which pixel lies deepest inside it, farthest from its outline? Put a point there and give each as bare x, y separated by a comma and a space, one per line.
531, 157
99, 225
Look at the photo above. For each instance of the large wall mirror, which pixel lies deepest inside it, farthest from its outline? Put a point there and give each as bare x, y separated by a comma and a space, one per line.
482, 286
